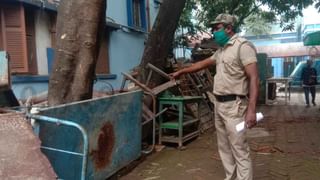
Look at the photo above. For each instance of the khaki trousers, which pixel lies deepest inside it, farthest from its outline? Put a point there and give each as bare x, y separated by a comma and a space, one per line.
233, 146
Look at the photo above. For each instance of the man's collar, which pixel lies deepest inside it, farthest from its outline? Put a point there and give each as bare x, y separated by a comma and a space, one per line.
232, 39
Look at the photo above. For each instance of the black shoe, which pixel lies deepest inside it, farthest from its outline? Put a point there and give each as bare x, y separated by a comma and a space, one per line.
307, 106
314, 104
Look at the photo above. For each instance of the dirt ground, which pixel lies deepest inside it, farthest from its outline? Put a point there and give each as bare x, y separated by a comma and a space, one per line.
284, 146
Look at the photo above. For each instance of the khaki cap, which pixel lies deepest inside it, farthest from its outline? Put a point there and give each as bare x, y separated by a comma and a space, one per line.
224, 18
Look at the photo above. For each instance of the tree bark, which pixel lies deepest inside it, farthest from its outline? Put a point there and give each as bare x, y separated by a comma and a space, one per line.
161, 37
79, 23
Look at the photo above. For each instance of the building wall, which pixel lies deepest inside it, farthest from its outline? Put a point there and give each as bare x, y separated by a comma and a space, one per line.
125, 53
284, 49
23, 85
24, 90
43, 40
126, 47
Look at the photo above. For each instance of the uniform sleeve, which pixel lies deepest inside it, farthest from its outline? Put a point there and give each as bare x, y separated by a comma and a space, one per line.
248, 54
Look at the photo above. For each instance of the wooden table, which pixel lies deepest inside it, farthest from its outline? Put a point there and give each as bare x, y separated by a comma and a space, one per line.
285, 81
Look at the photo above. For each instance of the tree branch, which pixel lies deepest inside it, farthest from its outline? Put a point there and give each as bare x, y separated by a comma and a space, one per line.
235, 6
240, 21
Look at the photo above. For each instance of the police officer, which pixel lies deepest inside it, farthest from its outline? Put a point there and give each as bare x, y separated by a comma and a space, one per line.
236, 86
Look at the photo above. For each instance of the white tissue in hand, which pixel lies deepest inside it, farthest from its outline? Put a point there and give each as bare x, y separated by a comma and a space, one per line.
241, 126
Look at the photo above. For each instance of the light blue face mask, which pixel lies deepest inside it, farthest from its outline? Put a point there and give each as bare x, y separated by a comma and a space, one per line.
220, 37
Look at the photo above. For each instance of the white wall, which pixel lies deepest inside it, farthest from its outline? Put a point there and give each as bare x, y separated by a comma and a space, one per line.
154, 9
43, 40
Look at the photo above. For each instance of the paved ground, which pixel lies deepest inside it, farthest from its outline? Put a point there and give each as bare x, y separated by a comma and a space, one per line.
284, 146
20, 155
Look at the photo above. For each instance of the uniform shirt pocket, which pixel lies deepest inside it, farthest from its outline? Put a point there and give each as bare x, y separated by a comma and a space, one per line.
230, 66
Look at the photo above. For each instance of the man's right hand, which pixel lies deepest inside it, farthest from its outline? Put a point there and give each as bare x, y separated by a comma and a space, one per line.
193, 68
175, 75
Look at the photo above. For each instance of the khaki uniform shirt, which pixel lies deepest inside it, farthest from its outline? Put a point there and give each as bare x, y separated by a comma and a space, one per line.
230, 75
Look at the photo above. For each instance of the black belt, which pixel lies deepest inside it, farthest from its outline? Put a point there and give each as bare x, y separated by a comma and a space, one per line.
231, 97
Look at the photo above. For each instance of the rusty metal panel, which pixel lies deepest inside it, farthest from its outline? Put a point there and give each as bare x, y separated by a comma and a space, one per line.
7, 97
4, 71
113, 125
20, 153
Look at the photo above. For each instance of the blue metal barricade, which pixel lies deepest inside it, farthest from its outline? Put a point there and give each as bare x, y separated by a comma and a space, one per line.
113, 127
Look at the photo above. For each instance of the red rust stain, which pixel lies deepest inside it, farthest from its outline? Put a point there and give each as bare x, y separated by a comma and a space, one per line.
102, 155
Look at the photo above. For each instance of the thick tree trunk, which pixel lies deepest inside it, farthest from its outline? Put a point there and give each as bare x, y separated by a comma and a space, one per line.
161, 37
78, 24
